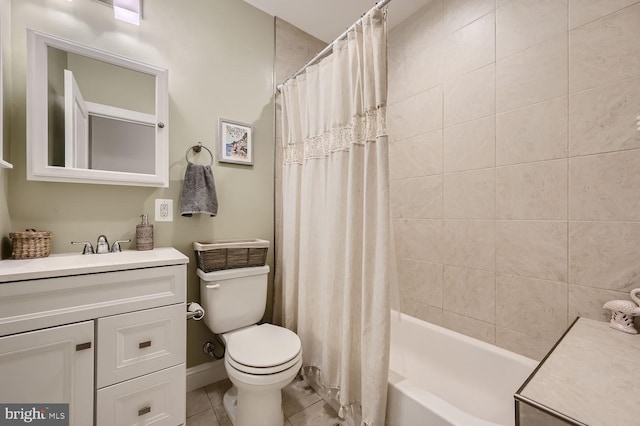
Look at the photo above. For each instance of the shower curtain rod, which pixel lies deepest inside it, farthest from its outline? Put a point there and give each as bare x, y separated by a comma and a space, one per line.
323, 52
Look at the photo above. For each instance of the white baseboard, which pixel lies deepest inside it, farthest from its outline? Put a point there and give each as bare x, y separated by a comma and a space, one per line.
205, 374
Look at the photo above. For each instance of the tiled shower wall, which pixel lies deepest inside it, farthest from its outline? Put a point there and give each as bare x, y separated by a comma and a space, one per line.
515, 164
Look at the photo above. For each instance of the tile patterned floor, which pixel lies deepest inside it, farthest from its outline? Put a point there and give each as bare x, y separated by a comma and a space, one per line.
300, 404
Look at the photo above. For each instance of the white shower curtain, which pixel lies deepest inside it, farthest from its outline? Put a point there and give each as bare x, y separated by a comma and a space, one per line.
336, 248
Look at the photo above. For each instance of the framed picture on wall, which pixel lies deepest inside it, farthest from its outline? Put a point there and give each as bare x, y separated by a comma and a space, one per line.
235, 142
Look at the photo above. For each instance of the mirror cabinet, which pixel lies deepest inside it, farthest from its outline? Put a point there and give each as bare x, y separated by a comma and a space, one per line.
94, 117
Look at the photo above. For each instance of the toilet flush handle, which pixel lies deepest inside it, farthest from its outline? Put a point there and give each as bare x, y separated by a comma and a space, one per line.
213, 286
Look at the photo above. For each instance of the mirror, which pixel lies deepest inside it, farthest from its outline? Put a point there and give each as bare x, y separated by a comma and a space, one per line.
3, 163
94, 117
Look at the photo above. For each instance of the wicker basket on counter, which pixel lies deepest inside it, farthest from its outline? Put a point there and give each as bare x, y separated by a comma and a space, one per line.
30, 244
230, 254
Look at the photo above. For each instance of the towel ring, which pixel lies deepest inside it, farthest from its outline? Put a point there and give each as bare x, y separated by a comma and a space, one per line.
197, 149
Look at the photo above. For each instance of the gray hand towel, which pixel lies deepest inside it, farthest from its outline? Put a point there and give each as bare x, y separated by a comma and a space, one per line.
198, 191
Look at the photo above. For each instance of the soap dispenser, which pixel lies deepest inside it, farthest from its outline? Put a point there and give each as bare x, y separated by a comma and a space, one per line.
144, 234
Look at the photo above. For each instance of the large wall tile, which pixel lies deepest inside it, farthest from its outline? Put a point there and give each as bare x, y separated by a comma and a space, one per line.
421, 311
534, 133
421, 29
470, 145
423, 282
604, 255
470, 292
424, 69
471, 327
536, 308
469, 243
605, 186
532, 249
532, 347
423, 154
587, 302
397, 228
585, 11
397, 79
423, 240
470, 48
536, 74
396, 169
416, 115
470, 97
416, 156
395, 198
458, 13
603, 119
532, 191
470, 195
295, 45
521, 24
605, 50
422, 198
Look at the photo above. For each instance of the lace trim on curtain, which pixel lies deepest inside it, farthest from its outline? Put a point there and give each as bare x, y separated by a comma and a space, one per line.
352, 413
362, 128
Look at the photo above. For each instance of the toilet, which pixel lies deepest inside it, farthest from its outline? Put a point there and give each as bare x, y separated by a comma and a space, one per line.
260, 360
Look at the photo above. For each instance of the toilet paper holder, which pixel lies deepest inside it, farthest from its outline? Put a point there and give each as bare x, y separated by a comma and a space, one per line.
194, 311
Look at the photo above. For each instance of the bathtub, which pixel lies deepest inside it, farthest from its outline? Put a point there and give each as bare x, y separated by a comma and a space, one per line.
439, 377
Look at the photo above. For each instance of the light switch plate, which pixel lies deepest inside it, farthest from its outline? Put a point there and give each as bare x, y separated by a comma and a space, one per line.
164, 210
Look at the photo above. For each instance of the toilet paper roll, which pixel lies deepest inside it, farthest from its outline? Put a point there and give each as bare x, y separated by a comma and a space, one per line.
195, 311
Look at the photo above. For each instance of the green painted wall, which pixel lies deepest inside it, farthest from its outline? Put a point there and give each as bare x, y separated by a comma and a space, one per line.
220, 60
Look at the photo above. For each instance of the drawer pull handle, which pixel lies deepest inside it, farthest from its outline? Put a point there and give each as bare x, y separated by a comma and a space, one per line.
143, 411
83, 346
144, 344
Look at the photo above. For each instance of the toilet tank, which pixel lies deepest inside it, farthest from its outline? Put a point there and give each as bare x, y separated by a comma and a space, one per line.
233, 298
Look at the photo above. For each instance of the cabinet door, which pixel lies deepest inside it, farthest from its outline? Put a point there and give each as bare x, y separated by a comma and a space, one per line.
54, 365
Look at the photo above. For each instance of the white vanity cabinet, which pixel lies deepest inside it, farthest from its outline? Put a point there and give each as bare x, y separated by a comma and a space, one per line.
104, 333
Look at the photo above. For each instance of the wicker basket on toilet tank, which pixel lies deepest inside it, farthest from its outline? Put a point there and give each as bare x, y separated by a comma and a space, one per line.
230, 254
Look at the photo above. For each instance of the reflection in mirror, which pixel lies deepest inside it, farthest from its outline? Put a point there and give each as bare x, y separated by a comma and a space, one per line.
101, 116
103, 119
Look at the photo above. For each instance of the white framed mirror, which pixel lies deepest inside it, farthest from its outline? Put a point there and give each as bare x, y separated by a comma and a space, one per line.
94, 117
3, 164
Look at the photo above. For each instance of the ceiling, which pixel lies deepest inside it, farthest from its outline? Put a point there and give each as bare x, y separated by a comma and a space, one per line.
327, 19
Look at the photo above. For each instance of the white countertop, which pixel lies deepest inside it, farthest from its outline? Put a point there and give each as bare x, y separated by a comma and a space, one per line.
592, 376
60, 265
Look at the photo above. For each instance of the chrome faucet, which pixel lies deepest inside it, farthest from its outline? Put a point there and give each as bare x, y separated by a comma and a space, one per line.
87, 249
115, 248
102, 246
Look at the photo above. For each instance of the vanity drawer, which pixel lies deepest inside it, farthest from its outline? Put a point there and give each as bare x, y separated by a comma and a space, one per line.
151, 399
131, 345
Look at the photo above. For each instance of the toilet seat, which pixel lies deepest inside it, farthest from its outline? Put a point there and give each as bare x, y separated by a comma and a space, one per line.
263, 350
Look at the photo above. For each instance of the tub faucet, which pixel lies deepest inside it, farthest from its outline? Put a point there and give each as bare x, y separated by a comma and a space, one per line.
102, 246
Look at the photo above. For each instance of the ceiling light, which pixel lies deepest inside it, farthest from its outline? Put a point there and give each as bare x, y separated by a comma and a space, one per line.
127, 10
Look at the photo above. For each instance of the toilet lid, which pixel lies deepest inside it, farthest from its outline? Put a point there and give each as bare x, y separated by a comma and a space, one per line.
263, 346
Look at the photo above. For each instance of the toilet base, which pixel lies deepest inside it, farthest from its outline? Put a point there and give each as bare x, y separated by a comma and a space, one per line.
250, 408
230, 402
